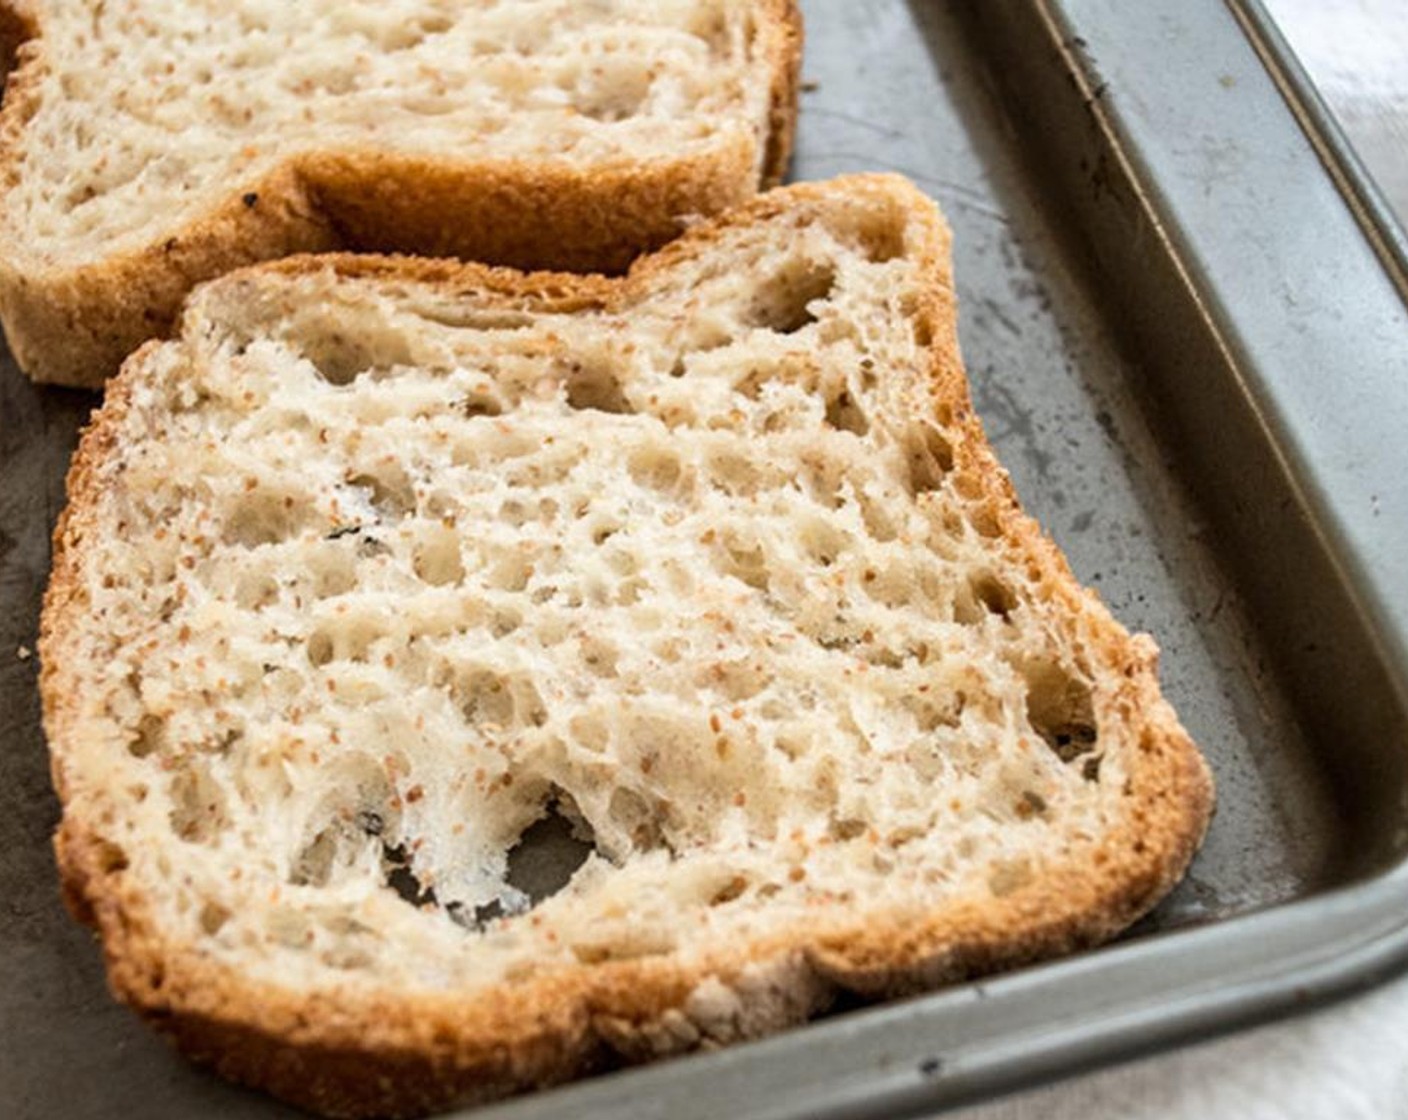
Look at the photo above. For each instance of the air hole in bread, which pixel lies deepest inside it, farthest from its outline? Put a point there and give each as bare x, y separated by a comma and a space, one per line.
930, 458
112, 857
745, 562
264, 516
389, 489
878, 521
893, 585
634, 815
396, 867
628, 591
436, 556
823, 543
512, 571
319, 648
1060, 709
992, 594
198, 805
845, 415
340, 359
334, 571
513, 512
551, 849
932, 711
595, 388
495, 702
752, 382
783, 302
846, 829
603, 528
926, 758
710, 25
732, 889
150, 738
881, 234
613, 90
484, 697
986, 522
734, 472
213, 917
344, 637
1031, 804
656, 468
480, 404
734, 680
590, 730
355, 816
400, 37
504, 621
599, 656
255, 590
313, 866
823, 482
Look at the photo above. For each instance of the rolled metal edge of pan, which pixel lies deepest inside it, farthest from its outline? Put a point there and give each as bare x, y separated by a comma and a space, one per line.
1381, 225
1010, 1032
1300, 285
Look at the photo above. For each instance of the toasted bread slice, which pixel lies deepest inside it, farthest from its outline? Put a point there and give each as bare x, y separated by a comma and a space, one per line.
147, 145
379, 562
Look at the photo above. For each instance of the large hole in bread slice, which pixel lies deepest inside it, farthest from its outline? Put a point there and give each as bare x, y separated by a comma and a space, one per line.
541, 862
595, 387
1061, 710
782, 303
339, 354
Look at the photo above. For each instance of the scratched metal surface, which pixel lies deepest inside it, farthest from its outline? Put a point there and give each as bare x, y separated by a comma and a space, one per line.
896, 86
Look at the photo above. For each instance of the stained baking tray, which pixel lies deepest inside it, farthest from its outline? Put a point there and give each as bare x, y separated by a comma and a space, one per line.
1183, 315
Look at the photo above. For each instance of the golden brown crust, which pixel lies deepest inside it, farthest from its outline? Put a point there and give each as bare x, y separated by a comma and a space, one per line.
787, 72
351, 1054
73, 326
522, 214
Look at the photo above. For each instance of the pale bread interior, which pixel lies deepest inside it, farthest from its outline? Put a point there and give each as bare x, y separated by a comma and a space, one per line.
146, 110
382, 569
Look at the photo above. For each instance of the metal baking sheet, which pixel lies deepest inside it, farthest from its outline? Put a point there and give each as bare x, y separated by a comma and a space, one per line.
1185, 330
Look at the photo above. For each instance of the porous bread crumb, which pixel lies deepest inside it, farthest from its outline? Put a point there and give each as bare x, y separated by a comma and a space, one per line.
382, 563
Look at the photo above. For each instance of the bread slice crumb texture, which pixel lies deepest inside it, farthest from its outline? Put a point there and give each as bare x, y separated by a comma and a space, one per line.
381, 564
147, 146
143, 111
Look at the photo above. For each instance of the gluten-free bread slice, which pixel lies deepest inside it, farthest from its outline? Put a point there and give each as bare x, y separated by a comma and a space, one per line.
146, 145
379, 562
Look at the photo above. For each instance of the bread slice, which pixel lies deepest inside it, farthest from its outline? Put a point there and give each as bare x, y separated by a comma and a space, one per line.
379, 562
147, 145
